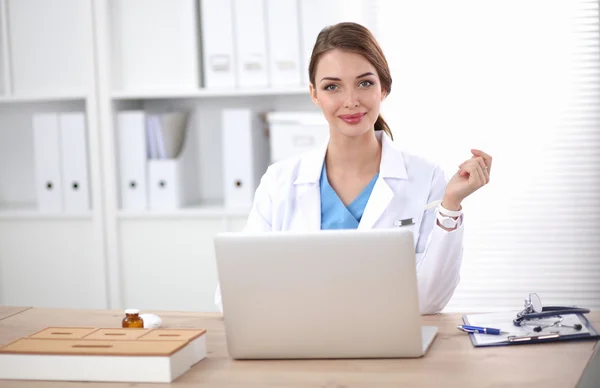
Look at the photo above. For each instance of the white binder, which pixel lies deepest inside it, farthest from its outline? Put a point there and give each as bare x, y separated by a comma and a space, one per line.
294, 133
218, 58
74, 153
46, 149
250, 43
283, 43
131, 137
245, 148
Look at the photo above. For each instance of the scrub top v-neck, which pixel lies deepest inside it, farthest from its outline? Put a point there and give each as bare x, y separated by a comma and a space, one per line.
334, 214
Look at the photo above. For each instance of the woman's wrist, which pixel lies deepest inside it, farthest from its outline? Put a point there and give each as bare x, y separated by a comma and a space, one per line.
451, 204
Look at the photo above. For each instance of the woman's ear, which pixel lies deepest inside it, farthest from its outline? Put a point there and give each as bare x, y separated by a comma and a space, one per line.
313, 94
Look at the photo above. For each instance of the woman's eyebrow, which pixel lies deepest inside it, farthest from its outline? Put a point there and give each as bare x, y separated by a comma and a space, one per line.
365, 74
338, 79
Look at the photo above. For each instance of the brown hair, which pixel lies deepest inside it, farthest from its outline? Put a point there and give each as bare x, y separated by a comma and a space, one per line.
355, 38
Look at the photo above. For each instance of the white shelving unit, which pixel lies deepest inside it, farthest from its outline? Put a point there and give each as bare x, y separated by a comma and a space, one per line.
17, 99
47, 65
164, 259
103, 57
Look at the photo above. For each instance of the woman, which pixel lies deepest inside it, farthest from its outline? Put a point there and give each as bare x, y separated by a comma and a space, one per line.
360, 178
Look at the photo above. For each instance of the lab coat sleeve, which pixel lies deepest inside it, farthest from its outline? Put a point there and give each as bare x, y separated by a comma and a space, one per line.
439, 255
259, 219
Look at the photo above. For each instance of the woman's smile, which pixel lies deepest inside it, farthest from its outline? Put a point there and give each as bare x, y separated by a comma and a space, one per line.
353, 118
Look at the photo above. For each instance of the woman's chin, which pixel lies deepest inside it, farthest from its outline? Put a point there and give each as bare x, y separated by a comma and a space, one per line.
353, 130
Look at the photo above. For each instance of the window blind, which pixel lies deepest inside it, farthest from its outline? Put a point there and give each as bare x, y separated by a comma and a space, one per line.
521, 81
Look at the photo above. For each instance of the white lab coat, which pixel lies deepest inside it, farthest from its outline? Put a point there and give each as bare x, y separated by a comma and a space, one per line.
288, 198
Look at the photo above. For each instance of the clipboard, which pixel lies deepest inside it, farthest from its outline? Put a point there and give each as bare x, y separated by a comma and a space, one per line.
515, 335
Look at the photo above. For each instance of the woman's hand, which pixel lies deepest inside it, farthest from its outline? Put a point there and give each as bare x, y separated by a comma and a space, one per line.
471, 176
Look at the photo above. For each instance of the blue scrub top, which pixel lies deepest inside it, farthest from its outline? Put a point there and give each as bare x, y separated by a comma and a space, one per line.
334, 214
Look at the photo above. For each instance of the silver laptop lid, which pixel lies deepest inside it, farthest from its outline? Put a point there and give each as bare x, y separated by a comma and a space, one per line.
324, 294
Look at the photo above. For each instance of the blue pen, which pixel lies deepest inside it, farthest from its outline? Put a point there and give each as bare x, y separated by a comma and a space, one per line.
479, 329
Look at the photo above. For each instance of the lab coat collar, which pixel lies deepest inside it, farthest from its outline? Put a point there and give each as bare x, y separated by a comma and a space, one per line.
392, 162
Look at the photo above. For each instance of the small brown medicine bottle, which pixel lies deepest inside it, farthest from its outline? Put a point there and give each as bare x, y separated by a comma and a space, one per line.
132, 319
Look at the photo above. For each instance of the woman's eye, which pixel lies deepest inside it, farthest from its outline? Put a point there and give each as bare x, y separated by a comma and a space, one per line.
331, 87
365, 84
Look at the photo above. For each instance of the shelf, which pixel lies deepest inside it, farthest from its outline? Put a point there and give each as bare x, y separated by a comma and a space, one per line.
41, 98
31, 213
197, 211
204, 93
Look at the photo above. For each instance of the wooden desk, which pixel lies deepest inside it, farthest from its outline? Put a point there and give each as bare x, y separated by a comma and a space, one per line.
452, 361
7, 311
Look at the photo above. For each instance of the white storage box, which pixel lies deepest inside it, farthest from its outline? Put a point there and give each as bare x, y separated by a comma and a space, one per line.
293, 133
172, 160
96, 354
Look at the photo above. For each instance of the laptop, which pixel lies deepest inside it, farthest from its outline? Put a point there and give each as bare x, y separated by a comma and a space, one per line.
320, 295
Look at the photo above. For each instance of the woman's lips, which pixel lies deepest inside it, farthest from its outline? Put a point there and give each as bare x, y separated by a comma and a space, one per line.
353, 119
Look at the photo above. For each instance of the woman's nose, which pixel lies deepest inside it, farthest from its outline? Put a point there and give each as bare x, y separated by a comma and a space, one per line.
351, 101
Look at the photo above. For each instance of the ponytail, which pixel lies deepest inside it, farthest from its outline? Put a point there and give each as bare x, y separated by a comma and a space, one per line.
381, 125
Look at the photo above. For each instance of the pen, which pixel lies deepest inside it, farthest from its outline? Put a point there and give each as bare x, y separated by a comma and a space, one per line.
479, 329
433, 204
513, 338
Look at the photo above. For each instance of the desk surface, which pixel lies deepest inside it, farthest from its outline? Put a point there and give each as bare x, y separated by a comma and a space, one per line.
7, 311
451, 361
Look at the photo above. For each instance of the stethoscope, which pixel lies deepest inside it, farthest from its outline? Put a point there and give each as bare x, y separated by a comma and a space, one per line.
534, 311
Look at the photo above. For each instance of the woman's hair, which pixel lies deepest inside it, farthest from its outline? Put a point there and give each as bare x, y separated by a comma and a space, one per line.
358, 39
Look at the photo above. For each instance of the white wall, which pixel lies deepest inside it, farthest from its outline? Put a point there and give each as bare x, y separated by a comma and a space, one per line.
519, 80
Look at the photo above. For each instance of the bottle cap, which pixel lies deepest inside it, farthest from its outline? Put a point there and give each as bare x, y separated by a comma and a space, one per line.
132, 311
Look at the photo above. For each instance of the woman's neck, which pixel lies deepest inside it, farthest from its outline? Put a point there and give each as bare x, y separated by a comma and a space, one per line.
354, 155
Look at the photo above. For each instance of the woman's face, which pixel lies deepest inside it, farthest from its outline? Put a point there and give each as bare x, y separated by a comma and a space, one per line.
348, 91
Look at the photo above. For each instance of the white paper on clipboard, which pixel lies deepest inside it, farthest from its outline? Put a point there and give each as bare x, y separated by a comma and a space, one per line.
504, 322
